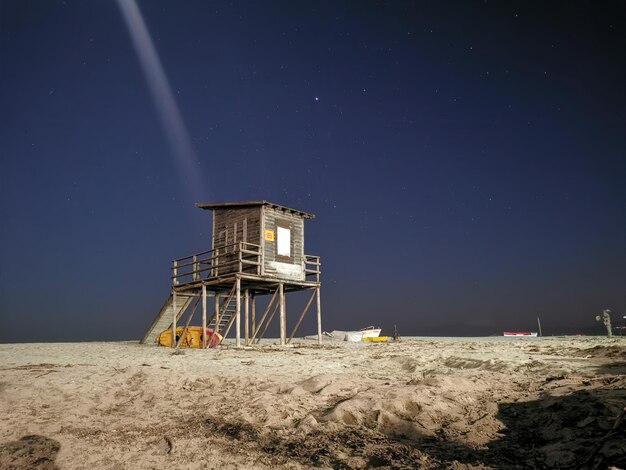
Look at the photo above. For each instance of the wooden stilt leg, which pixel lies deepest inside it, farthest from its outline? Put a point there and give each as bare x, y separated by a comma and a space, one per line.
246, 316
216, 328
253, 312
319, 316
263, 316
267, 323
174, 314
306, 308
203, 336
216, 317
238, 315
281, 299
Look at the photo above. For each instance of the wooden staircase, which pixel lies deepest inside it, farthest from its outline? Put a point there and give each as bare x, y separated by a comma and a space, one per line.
228, 311
163, 320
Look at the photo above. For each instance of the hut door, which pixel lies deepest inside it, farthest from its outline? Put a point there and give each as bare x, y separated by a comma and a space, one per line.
221, 239
227, 243
239, 231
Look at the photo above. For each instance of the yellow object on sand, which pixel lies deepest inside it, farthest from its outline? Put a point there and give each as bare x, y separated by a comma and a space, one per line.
192, 338
376, 338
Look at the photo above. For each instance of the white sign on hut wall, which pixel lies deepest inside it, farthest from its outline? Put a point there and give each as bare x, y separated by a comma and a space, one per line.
283, 241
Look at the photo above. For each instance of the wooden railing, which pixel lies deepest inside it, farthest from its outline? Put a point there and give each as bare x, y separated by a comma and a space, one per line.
312, 266
240, 257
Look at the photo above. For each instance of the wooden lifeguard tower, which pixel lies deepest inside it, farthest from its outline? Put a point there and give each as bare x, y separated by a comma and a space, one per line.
257, 249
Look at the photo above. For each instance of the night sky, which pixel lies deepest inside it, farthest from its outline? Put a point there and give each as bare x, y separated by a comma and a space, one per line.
466, 161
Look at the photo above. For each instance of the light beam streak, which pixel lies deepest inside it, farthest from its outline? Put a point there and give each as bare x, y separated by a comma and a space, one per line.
185, 158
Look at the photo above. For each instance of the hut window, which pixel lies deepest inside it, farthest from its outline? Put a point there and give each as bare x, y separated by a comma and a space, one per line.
283, 242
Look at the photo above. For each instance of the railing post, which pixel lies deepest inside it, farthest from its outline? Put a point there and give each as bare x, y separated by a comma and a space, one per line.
240, 257
195, 273
215, 263
175, 272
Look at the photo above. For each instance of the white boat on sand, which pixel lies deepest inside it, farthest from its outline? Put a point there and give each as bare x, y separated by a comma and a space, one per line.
354, 336
371, 331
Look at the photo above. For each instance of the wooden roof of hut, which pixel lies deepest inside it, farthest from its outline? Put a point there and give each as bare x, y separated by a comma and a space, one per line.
224, 205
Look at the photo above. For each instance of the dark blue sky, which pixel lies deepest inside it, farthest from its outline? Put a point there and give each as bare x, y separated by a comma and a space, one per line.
466, 160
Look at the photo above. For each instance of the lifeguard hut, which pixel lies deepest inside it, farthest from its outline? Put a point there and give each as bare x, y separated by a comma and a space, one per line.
257, 250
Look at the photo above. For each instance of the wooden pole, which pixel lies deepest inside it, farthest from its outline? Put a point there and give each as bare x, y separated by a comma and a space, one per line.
306, 308
253, 311
218, 314
174, 312
267, 309
246, 316
240, 254
212, 321
319, 316
183, 335
203, 316
539, 325
216, 327
282, 313
238, 313
267, 323
606, 317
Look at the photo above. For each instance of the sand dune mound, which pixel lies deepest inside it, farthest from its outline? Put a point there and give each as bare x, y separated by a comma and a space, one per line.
469, 363
615, 351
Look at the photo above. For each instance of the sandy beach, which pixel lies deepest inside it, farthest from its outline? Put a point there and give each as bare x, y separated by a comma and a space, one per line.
419, 403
